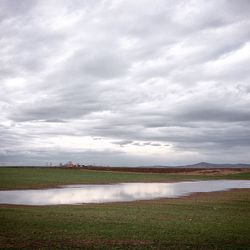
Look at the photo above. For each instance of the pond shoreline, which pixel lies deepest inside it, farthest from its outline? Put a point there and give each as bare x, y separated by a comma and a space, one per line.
118, 192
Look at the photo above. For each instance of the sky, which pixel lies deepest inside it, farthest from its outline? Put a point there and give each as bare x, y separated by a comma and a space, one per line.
124, 82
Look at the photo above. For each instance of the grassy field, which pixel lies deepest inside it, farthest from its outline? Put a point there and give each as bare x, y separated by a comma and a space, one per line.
16, 178
219, 220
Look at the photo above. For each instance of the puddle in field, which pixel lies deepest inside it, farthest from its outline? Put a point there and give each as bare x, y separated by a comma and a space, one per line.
77, 194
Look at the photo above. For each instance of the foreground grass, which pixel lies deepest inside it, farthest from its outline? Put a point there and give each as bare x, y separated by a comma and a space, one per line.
219, 220
205, 221
13, 178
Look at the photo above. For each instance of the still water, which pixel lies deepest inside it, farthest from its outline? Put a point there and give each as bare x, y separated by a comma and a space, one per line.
78, 194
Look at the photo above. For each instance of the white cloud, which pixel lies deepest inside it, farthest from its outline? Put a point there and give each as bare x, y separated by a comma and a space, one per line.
137, 74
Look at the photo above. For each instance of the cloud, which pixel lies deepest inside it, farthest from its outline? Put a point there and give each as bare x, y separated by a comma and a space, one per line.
122, 143
127, 78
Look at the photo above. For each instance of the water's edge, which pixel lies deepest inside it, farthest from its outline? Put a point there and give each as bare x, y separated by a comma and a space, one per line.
119, 192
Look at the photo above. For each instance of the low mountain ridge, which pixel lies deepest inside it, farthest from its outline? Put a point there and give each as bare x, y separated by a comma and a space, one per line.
216, 165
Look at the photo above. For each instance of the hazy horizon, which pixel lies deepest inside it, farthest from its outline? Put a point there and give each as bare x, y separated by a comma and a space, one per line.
82, 165
124, 83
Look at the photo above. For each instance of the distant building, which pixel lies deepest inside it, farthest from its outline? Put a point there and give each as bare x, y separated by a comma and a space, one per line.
70, 164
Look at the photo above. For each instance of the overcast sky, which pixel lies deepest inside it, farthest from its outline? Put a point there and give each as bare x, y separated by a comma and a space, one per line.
124, 83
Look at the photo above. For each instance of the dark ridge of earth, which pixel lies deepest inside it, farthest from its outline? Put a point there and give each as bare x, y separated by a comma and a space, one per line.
215, 165
176, 169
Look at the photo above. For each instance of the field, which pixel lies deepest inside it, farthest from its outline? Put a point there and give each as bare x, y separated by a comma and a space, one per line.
219, 220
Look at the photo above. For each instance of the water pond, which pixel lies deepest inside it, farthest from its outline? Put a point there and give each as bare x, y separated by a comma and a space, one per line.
121, 192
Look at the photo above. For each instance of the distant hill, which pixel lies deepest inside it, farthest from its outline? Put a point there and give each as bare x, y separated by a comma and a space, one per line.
215, 165
203, 165
174, 169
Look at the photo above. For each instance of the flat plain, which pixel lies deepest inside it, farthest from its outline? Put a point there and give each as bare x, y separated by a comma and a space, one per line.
217, 220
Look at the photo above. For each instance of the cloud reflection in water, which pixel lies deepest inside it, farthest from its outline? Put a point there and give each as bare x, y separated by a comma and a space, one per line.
77, 194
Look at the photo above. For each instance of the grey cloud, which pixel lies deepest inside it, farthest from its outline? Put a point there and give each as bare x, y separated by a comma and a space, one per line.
112, 158
55, 120
52, 112
42, 157
155, 144
147, 144
213, 114
123, 142
137, 73
13, 8
100, 63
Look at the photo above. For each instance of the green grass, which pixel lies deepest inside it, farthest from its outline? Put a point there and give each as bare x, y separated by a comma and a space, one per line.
212, 221
12, 178
219, 220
